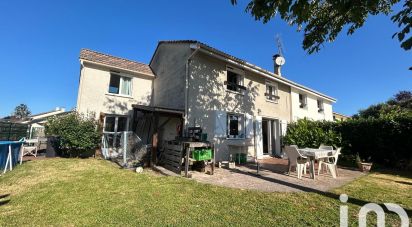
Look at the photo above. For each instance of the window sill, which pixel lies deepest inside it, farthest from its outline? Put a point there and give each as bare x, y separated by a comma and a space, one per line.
235, 138
121, 96
235, 92
272, 101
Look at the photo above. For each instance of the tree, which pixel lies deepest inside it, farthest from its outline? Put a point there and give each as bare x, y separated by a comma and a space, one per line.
400, 104
21, 111
323, 20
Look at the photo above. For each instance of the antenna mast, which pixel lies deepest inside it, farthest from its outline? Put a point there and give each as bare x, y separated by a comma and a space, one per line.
279, 44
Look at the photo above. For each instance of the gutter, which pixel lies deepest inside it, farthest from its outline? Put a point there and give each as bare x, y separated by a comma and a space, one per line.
196, 48
248, 67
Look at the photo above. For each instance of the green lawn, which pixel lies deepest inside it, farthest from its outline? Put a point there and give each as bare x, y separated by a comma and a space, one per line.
95, 192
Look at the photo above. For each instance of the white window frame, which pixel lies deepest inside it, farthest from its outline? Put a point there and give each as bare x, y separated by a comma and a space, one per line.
122, 76
116, 122
304, 102
241, 78
242, 132
275, 88
322, 106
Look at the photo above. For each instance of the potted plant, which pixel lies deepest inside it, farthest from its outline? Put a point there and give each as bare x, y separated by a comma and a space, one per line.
362, 165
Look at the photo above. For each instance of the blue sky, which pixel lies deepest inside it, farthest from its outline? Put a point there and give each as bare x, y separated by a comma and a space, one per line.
40, 43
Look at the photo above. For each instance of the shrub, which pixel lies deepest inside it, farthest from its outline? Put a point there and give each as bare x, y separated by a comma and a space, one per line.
307, 133
77, 136
384, 141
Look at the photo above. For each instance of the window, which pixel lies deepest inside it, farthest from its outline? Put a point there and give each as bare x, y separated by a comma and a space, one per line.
120, 85
235, 126
272, 92
302, 100
234, 80
320, 106
115, 124
109, 124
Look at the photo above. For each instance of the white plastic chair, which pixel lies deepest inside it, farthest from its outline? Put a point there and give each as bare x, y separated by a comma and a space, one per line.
30, 146
331, 163
325, 147
296, 160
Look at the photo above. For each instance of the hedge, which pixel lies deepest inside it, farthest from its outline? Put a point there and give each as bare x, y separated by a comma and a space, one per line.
387, 142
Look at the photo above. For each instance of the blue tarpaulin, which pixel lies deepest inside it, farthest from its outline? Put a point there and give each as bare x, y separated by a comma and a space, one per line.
4, 152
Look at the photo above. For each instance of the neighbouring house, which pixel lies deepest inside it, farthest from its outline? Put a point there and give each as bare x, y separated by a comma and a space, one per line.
37, 122
187, 83
340, 117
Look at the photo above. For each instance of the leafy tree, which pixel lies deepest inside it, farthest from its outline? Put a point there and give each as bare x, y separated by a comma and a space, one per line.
399, 105
323, 20
21, 111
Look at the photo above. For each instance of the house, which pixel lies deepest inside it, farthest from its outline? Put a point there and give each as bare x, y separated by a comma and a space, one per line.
241, 107
340, 117
109, 86
37, 122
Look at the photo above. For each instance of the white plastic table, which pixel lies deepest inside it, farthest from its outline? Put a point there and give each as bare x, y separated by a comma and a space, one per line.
315, 154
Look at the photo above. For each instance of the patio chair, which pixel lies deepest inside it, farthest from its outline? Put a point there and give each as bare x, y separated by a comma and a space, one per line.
30, 147
296, 160
331, 163
325, 147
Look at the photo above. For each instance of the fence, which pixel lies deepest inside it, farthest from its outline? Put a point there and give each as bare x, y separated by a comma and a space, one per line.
12, 131
125, 148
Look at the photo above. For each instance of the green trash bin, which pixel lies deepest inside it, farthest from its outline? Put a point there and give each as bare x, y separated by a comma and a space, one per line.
241, 158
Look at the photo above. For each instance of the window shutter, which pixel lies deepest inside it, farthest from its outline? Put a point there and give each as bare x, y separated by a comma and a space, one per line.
283, 126
249, 126
258, 137
220, 123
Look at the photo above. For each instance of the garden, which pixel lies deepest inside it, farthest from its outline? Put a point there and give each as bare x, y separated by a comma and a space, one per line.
93, 192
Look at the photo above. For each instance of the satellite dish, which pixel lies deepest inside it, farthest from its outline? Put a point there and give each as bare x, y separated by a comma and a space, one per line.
279, 60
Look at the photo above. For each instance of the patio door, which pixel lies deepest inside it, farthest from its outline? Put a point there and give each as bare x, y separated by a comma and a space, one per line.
271, 137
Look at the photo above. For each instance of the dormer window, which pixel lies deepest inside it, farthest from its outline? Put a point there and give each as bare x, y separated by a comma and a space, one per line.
320, 106
302, 101
272, 92
234, 80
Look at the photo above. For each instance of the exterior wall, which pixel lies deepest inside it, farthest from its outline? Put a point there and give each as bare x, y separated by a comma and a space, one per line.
94, 99
208, 95
169, 66
340, 117
311, 109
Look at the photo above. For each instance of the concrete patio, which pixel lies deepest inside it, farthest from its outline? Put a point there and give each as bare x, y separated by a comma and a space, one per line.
273, 177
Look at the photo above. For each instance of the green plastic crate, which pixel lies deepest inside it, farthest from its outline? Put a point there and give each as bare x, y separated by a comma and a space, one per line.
241, 158
202, 154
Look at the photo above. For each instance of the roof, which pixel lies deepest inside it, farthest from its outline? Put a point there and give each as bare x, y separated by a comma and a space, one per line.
243, 62
116, 62
158, 109
43, 113
342, 115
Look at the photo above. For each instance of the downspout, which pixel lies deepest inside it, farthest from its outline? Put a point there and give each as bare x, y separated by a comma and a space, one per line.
196, 47
80, 91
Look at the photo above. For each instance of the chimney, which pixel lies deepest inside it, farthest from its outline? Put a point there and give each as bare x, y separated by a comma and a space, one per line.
277, 64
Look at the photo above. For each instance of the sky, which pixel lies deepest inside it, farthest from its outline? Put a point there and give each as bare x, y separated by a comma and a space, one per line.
40, 43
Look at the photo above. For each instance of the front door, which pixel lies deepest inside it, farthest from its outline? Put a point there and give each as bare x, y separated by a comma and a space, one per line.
265, 136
